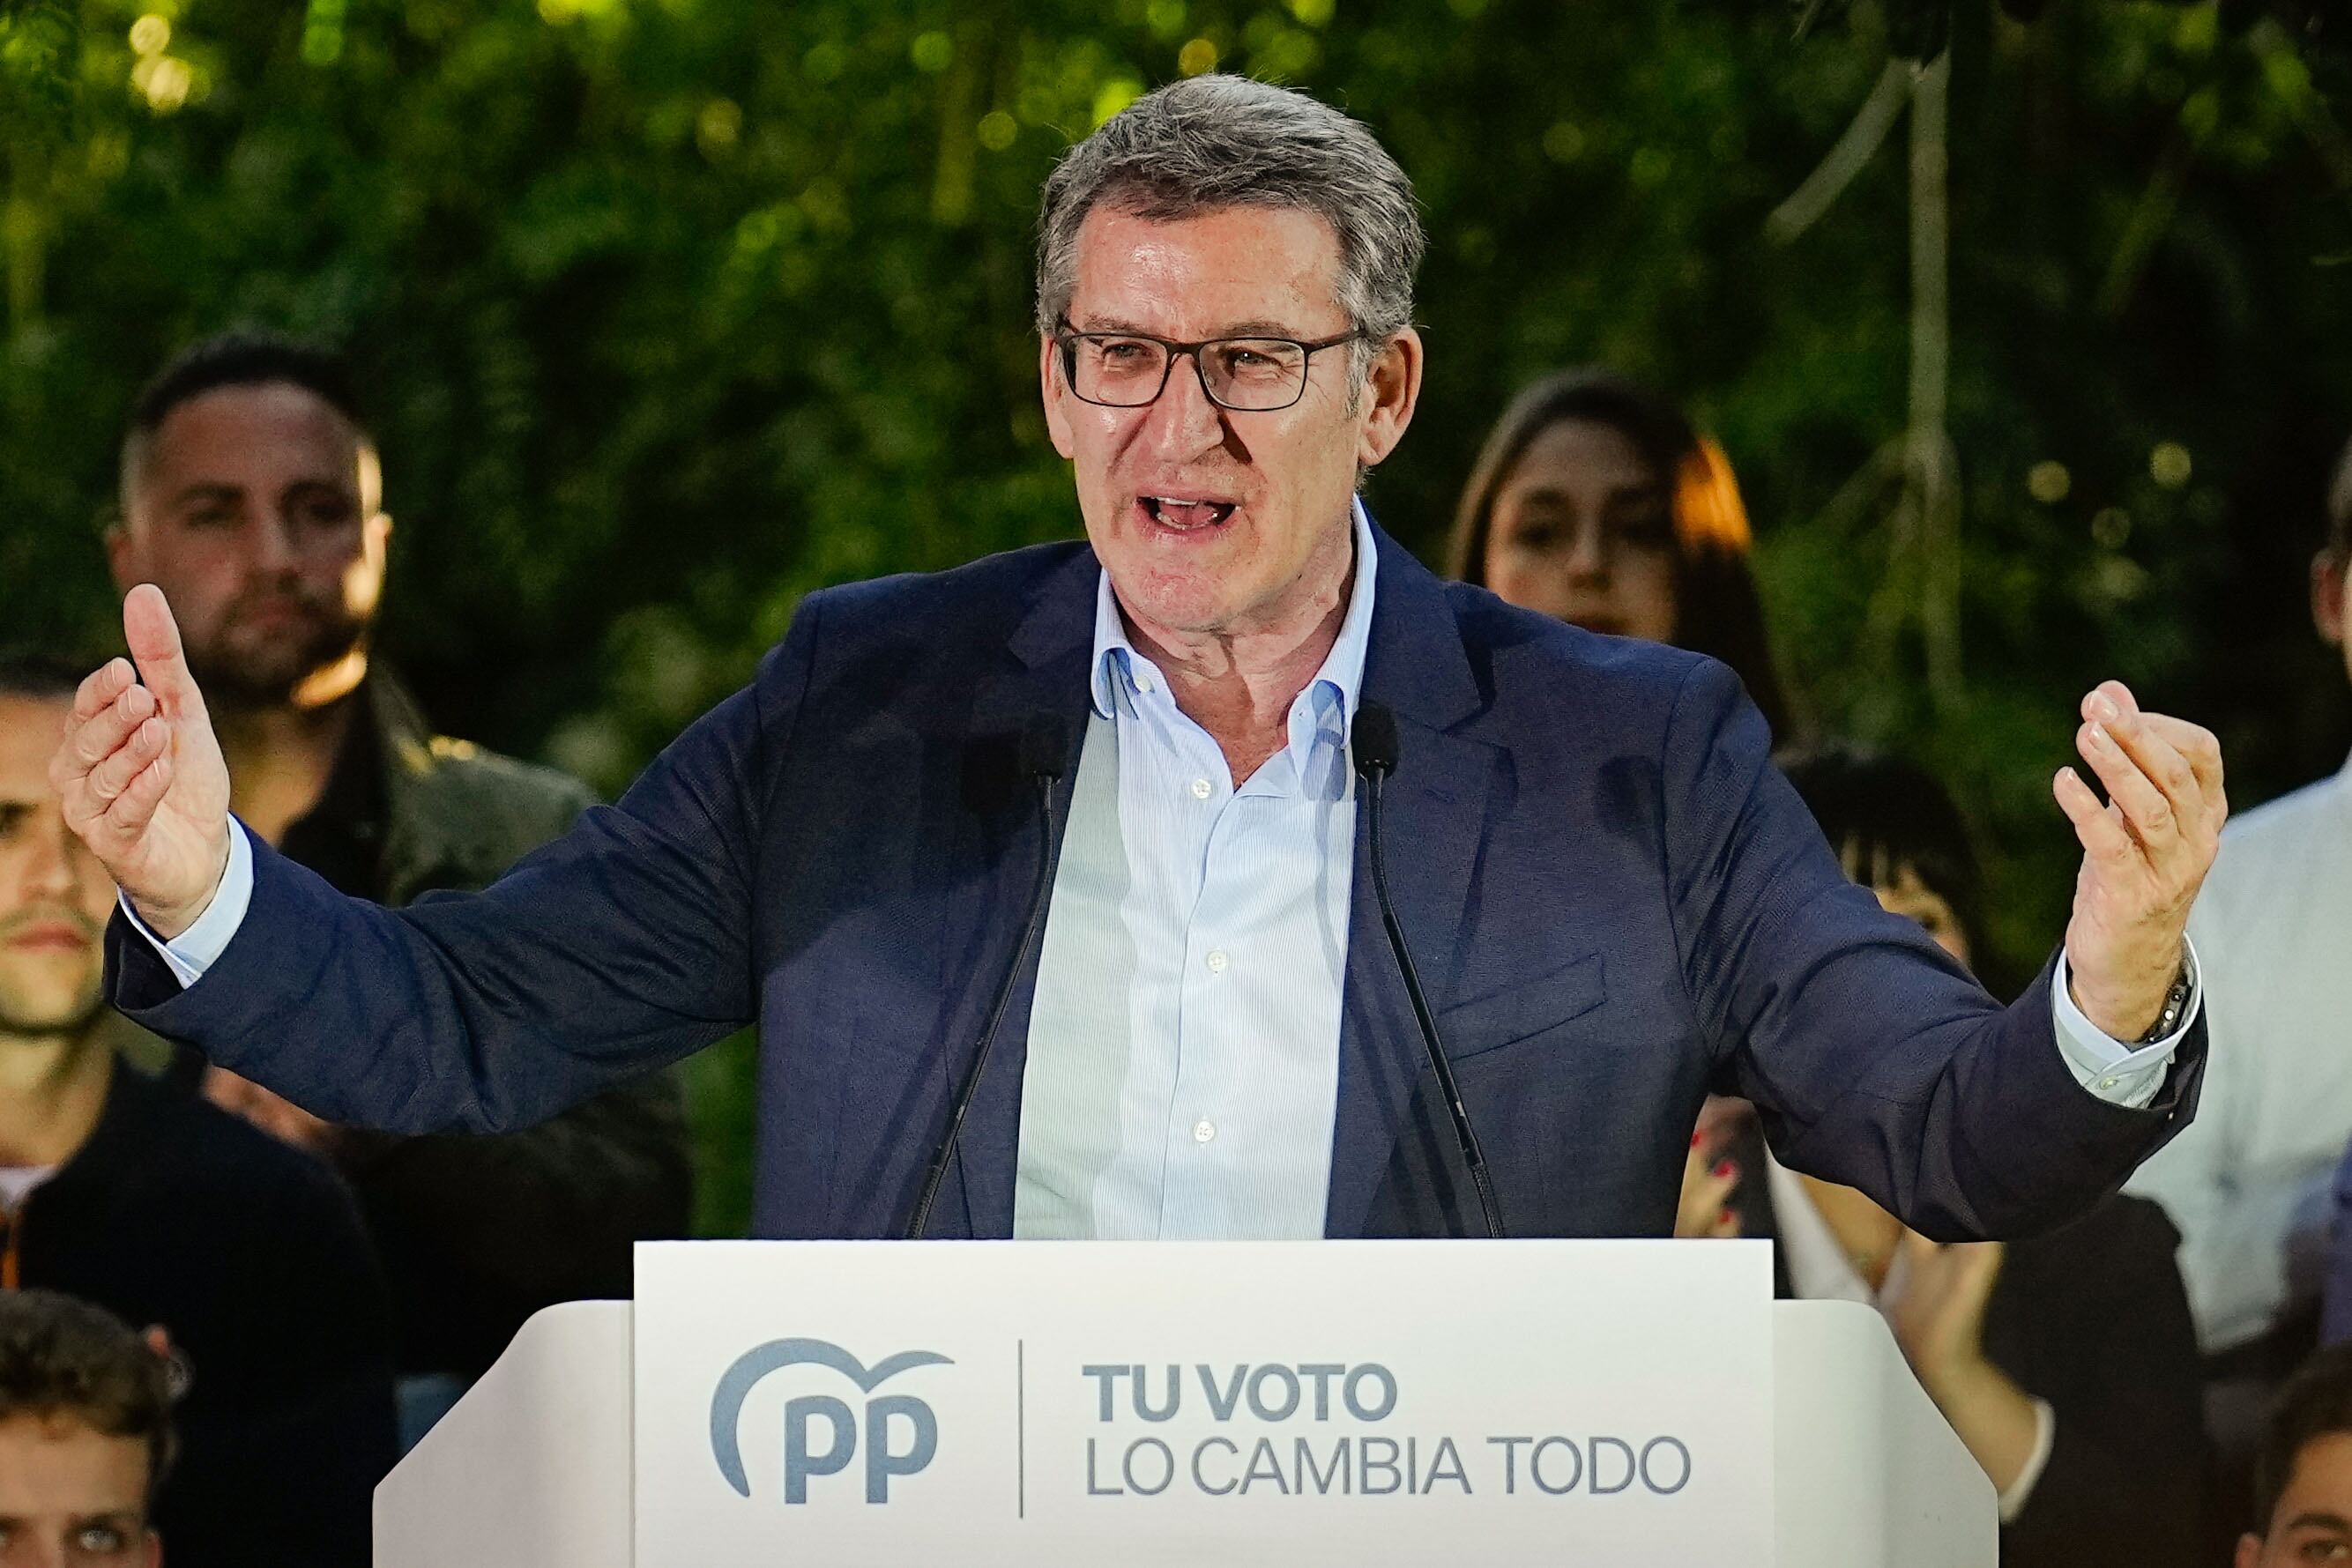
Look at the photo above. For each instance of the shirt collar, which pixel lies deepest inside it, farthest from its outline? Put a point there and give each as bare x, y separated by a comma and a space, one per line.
1116, 660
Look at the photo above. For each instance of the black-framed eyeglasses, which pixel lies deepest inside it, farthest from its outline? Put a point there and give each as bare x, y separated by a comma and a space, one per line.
1248, 375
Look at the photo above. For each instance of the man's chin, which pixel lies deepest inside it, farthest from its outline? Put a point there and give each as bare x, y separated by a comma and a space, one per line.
35, 1017
262, 680
1182, 608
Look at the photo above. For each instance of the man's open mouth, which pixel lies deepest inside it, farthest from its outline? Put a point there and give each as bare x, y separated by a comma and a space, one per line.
1185, 516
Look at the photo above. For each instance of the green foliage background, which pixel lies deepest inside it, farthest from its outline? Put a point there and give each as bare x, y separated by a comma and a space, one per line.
673, 310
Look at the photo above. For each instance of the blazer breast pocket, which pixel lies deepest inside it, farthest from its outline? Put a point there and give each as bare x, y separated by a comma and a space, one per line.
1522, 1010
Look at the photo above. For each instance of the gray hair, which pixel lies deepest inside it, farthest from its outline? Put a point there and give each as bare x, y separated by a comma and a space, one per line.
1220, 140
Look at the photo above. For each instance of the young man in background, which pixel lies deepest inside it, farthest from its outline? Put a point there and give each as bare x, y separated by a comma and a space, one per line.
248, 1256
85, 1435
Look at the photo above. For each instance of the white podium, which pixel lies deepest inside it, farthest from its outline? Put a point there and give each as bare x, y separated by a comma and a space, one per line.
534, 1467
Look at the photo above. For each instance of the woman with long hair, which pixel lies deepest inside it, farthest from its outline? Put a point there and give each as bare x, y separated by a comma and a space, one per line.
1595, 500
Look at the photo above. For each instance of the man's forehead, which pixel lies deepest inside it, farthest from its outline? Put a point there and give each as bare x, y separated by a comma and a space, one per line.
61, 1466
29, 732
228, 430
1227, 270
2320, 1480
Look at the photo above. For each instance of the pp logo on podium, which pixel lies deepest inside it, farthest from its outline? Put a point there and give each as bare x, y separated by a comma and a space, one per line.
845, 1432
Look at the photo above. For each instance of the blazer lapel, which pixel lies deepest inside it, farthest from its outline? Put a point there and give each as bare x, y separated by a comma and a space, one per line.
996, 868
1434, 810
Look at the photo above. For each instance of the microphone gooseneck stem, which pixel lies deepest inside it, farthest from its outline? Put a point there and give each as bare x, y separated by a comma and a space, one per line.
1464, 1134
933, 1178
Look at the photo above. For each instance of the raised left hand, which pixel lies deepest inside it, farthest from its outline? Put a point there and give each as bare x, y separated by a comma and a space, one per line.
2146, 851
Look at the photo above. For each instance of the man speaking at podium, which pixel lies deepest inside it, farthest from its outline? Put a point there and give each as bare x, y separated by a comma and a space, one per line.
1226, 875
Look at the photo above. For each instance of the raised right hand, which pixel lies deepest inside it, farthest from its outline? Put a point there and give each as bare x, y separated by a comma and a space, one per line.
141, 776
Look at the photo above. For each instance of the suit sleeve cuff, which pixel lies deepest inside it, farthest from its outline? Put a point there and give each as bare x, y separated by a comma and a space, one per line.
2120, 1075
2020, 1490
199, 947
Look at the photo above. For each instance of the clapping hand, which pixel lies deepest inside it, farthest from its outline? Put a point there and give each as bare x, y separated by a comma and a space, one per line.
1711, 1177
1936, 1305
1935, 1300
1704, 1210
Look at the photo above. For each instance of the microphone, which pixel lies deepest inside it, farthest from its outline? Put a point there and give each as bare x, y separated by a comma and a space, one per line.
1045, 751
1374, 738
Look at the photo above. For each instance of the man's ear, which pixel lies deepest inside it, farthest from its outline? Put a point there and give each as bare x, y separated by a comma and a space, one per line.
1055, 396
121, 552
2249, 1552
1392, 392
2331, 575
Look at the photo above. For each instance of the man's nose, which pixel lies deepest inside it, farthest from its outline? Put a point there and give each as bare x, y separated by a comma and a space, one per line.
274, 549
57, 862
1588, 559
1182, 422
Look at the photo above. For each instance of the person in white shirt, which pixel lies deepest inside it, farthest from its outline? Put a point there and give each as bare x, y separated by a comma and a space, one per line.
2248, 1184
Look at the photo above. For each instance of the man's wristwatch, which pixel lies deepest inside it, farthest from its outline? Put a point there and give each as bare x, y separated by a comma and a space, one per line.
2176, 1002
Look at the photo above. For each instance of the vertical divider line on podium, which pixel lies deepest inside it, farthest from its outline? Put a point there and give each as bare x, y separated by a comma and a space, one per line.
1021, 1428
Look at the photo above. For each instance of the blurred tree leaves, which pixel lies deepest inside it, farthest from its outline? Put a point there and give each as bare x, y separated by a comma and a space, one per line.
39, 49
673, 310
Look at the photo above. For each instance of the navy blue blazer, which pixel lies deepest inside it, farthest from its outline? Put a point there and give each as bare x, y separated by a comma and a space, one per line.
1615, 901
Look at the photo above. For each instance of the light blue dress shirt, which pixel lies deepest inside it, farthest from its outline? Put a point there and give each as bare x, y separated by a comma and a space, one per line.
1183, 1061
1185, 1046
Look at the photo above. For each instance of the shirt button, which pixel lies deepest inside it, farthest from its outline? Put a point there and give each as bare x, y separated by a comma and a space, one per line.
1217, 962
2106, 1083
1142, 683
1204, 1130
1200, 788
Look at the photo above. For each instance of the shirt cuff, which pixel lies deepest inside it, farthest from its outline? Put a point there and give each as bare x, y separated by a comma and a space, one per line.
2045, 1433
2120, 1075
199, 947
